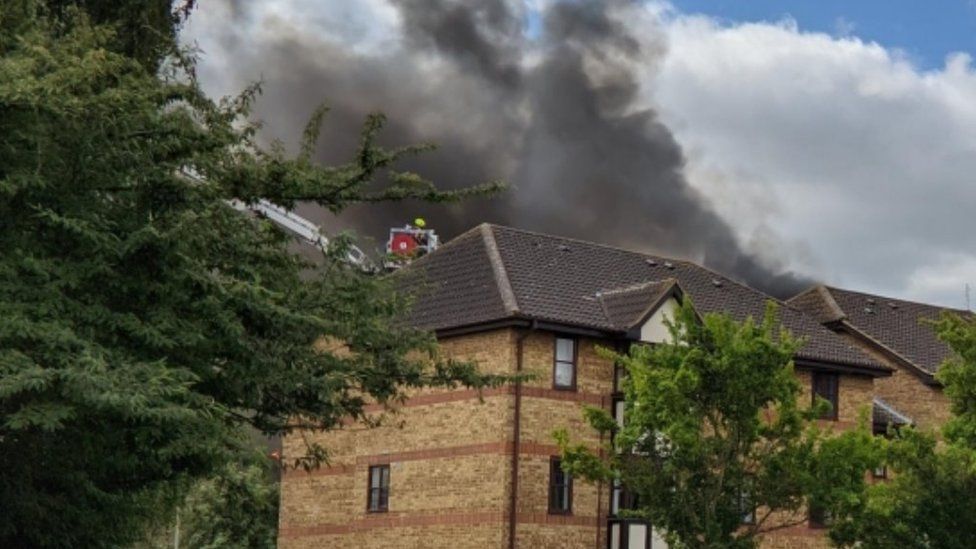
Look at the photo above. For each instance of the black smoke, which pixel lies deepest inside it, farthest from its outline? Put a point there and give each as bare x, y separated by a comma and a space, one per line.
557, 112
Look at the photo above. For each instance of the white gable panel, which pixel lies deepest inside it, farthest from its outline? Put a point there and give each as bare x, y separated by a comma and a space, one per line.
654, 330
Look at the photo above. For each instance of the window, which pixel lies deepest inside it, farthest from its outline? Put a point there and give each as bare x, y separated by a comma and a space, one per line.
378, 500
880, 471
825, 387
818, 516
564, 366
560, 489
746, 505
622, 499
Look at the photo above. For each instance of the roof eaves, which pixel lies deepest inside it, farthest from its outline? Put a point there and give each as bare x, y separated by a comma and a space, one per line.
815, 363
502, 282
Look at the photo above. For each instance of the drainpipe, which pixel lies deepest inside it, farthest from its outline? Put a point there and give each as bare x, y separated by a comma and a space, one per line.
517, 433
599, 491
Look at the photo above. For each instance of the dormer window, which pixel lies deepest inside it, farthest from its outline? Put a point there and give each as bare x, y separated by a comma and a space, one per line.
564, 364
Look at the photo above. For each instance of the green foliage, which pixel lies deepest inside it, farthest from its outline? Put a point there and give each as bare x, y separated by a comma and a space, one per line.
958, 376
930, 500
144, 323
928, 503
237, 508
712, 420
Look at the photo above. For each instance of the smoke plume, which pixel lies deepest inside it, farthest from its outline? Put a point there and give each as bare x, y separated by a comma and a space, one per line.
554, 108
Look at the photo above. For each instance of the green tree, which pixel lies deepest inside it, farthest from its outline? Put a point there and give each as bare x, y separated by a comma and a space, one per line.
145, 324
713, 433
236, 508
931, 499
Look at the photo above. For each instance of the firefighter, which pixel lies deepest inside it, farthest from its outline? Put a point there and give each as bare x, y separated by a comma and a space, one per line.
421, 235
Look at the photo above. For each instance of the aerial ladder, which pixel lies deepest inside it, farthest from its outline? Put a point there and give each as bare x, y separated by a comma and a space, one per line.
302, 228
404, 244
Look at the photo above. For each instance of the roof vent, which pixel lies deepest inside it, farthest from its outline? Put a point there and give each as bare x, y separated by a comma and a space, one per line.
892, 304
668, 265
870, 301
651, 262
562, 248
717, 283
869, 310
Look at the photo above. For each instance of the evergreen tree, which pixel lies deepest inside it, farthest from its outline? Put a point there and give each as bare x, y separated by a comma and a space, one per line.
145, 324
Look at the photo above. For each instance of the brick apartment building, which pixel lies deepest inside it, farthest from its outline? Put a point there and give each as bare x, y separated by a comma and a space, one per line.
463, 469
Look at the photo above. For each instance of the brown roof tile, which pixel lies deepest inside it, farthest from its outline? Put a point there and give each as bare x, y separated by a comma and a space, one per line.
567, 281
902, 327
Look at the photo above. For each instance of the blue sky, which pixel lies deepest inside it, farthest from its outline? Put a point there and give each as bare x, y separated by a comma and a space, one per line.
926, 30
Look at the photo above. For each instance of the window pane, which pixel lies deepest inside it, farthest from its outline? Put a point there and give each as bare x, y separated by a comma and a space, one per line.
637, 536
565, 349
618, 412
379, 487
564, 374
825, 386
559, 488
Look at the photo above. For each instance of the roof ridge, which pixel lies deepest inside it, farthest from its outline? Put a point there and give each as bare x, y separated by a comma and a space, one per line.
902, 300
581, 241
832, 304
502, 282
642, 254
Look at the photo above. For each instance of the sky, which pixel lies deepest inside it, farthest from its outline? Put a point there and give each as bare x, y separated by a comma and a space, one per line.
832, 141
925, 31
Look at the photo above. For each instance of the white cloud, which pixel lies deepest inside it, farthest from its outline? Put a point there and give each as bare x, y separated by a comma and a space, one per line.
841, 148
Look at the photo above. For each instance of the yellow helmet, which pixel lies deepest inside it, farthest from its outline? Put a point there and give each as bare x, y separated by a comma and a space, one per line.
419, 223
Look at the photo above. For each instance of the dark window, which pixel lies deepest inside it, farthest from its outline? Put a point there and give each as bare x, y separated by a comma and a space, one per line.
818, 516
378, 500
825, 387
564, 365
622, 499
746, 505
560, 489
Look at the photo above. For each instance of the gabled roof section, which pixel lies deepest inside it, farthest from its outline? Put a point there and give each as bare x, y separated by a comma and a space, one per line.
463, 283
818, 303
567, 282
626, 308
897, 327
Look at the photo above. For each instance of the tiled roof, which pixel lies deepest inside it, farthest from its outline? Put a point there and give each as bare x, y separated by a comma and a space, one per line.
626, 307
495, 273
902, 327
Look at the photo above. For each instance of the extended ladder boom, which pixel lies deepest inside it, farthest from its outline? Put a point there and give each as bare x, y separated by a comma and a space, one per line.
303, 228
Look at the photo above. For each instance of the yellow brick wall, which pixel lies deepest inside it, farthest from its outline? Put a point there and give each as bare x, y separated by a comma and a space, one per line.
540, 417
854, 397
460, 496
449, 468
927, 406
